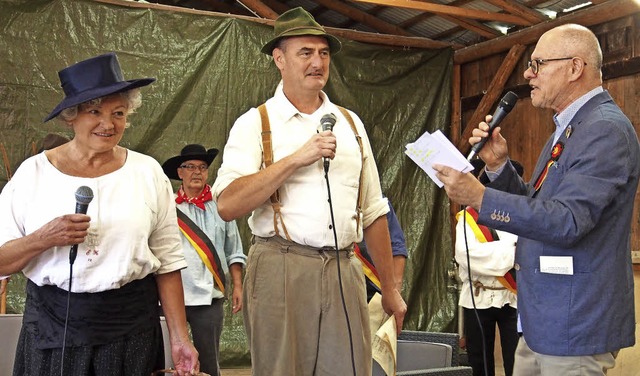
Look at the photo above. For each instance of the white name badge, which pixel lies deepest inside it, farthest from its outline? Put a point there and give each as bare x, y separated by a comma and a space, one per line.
556, 264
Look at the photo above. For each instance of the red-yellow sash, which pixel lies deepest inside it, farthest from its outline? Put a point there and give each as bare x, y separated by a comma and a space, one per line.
484, 234
370, 271
203, 245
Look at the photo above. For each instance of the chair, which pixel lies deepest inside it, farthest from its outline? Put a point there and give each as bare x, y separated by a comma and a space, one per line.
450, 339
10, 325
168, 362
416, 355
427, 353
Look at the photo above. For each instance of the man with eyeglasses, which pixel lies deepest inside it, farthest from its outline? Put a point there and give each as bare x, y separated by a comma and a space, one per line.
575, 278
212, 249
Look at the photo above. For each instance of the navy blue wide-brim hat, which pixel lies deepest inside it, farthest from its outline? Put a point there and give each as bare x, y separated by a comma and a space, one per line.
190, 152
93, 78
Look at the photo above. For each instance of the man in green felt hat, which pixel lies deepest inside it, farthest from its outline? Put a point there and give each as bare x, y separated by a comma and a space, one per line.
301, 266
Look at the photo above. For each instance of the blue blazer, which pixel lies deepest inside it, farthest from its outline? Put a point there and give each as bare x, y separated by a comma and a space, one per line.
584, 210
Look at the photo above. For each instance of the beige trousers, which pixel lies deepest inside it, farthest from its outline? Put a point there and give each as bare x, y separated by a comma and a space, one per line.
530, 363
293, 312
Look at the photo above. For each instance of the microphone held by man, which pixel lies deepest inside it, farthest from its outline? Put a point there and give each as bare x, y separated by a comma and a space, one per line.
504, 107
327, 122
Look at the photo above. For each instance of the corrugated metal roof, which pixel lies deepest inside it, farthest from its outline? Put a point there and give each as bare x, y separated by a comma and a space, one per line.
415, 22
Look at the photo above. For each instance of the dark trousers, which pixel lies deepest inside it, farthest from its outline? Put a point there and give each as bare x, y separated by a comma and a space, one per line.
506, 319
206, 327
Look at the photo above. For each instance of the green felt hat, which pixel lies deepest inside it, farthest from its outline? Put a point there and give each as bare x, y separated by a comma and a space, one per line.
297, 22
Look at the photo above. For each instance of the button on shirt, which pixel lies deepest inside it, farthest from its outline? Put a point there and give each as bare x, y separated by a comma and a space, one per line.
304, 198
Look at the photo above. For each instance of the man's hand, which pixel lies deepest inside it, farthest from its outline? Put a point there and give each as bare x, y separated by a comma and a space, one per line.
393, 304
318, 146
236, 299
461, 187
495, 151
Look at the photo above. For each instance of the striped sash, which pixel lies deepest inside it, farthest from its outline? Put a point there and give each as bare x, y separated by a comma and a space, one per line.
203, 245
485, 234
369, 270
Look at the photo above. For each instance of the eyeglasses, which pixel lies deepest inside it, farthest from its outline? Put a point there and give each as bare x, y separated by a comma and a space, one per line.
535, 64
193, 168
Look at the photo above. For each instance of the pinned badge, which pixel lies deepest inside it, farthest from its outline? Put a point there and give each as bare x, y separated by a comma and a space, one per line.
568, 131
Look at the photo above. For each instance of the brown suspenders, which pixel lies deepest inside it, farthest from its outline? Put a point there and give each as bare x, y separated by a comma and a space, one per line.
267, 155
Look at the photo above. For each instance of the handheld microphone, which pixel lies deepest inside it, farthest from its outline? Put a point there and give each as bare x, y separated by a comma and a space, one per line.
84, 195
327, 122
504, 107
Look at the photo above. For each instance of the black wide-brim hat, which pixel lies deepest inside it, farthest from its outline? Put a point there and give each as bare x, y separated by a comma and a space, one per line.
189, 152
93, 78
298, 22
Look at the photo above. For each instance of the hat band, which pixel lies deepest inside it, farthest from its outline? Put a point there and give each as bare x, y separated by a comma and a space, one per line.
301, 28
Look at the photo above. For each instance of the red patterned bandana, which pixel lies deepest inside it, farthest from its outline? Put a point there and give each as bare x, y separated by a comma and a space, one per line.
197, 201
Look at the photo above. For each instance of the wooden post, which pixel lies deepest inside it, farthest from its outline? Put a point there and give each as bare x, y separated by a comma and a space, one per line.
456, 130
3, 297
493, 92
3, 283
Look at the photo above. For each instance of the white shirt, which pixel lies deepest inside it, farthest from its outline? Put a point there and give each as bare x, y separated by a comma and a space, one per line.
133, 230
304, 197
488, 261
197, 280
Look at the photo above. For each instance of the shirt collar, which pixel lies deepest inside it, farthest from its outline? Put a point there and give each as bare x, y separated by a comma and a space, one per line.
286, 110
563, 119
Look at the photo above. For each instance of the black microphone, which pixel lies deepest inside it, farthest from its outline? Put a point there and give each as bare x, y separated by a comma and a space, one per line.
327, 122
504, 107
84, 195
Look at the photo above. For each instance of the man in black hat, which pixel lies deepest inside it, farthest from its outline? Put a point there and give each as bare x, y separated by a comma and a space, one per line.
212, 248
301, 265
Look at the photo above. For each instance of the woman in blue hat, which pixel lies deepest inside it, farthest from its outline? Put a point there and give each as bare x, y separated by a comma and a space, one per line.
95, 279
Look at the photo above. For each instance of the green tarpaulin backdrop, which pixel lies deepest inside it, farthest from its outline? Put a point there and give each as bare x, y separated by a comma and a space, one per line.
209, 71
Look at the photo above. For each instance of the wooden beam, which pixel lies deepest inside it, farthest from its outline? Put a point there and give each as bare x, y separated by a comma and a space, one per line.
275, 5
259, 8
451, 11
621, 68
454, 134
593, 15
360, 36
388, 40
364, 18
456, 107
518, 9
475, 26
493, 92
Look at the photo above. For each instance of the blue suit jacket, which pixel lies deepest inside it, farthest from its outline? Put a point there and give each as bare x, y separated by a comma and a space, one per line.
584, 210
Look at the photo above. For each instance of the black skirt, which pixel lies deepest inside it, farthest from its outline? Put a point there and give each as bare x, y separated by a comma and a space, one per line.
116, 332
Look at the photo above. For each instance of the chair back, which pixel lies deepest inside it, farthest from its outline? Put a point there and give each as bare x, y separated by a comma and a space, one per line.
10, 325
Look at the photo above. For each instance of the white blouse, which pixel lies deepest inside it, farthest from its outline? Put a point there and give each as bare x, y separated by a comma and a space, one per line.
133, 230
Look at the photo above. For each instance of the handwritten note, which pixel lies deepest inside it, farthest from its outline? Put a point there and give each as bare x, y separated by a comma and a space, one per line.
432, 148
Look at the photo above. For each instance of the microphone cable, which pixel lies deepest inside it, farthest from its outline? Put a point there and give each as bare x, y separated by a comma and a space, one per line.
66, 318
473, 302
335, 239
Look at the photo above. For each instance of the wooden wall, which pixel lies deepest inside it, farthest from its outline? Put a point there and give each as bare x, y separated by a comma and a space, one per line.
527, 128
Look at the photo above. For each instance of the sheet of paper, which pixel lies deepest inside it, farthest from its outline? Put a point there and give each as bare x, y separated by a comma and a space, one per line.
432, 148
384, 336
